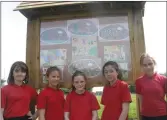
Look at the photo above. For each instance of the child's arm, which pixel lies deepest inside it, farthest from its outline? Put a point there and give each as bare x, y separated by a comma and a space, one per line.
67, 109
41, 113
94, 115
66, 115
138, 93
126, 100
140, 101
41, 105
3, 102
95, 106
1, 113
165, 89
34, 116
125, 110
34, 96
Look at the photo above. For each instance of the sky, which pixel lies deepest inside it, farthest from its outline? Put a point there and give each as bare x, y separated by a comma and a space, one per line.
14, 26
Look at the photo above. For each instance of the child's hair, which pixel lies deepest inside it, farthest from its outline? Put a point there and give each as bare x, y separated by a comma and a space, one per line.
51, 69
144, 55
18, 66
115, 66
78, 73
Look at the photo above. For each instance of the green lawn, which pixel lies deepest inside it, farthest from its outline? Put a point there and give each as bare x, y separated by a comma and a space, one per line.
132, 110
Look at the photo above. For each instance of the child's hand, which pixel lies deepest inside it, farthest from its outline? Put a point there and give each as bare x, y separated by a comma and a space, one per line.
32, 117
29, 113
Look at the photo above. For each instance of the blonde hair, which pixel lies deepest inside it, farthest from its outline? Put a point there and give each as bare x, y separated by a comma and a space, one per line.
145, 55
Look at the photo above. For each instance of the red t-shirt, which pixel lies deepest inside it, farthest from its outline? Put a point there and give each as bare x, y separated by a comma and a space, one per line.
53, 102
80, 106
112, 99
16, 100
152, 90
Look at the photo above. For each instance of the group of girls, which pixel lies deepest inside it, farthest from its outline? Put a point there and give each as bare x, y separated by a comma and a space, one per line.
81, 104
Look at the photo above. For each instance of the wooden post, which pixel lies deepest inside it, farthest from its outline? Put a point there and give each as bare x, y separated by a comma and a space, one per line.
139, 45
33, 52
32, 55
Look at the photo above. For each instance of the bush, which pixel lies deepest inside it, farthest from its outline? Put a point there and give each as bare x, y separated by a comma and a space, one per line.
132, 88
2, 82
65, 90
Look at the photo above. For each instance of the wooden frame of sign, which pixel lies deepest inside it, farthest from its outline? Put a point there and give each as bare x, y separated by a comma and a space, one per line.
39, 13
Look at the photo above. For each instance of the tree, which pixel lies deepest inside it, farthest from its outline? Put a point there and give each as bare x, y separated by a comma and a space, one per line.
65, 90
2, 82
165, 74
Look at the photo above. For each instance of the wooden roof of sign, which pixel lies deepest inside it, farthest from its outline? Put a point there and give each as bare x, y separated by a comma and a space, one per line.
42, 8
42, 4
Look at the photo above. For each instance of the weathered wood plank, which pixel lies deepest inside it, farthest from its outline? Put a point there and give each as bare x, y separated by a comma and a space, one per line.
83, 14
33, 52
41, 4
36, 9
139, 39
139, 45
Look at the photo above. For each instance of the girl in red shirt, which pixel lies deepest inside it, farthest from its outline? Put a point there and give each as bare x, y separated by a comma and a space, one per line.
116, 95
80, 104
17, 95
151, 89
50, 102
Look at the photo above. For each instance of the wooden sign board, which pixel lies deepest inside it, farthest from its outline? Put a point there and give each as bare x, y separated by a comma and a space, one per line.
83, 39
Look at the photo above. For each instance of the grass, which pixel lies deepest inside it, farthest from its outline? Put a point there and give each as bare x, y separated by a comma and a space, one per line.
132, 110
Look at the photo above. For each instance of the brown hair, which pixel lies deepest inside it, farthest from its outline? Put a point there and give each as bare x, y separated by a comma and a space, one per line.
144, 55
78, 73
18, 66
115, 66
51, 69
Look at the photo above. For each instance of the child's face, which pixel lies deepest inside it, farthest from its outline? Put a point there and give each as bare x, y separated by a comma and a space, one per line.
54, 78
110, 73
79, 83
18, 74
148, 66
